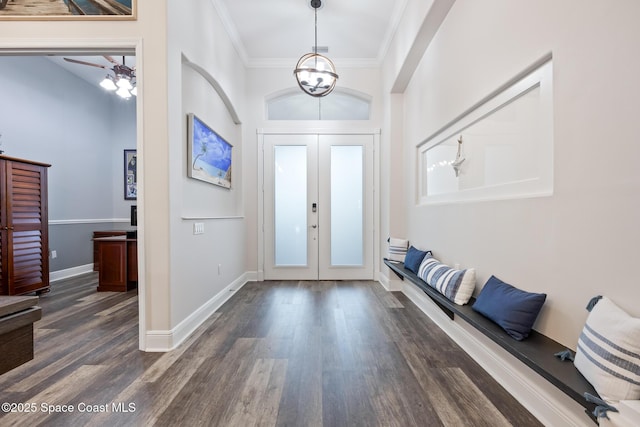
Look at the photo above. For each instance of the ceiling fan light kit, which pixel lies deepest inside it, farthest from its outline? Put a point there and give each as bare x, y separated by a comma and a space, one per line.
316, 75
122, 81
123, 93
108, 83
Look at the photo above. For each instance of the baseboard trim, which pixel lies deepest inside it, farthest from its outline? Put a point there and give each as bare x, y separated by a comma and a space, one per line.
390, 284
548, 404
251, 276
67, 273
167, 340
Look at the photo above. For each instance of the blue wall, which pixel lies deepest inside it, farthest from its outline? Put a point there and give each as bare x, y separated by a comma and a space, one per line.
50, 115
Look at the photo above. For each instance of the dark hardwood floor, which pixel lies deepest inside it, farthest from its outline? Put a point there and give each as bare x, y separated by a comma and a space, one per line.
277, 353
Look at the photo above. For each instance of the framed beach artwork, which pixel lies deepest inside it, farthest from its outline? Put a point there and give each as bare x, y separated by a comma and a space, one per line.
130, 175
209, 154
68, 9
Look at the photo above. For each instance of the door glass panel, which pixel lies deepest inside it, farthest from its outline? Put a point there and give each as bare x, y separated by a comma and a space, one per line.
290, 170
347, 194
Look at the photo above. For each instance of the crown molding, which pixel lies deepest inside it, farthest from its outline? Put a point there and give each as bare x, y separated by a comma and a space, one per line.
231, 29
396, 17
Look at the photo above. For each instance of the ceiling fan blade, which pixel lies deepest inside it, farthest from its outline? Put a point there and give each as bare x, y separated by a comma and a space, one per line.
110, 59
75, 61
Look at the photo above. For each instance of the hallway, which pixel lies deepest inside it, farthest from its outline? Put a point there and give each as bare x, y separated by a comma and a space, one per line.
277, 353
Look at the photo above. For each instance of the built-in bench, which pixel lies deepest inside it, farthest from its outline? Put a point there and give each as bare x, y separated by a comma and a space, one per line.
17, 315
537, 351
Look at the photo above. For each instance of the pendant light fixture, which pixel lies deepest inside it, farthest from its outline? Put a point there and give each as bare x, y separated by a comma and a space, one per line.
316, 74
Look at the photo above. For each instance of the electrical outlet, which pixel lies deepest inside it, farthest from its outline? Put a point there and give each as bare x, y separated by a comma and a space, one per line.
198, 228
54, 254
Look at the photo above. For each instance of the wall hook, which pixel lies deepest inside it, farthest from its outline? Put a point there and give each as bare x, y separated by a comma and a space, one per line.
457, 163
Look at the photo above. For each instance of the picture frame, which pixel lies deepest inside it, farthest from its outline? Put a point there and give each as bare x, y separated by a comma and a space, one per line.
130, 175
210, 155
81, 10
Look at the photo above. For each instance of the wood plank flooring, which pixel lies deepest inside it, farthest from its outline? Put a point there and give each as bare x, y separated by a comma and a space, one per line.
276, 354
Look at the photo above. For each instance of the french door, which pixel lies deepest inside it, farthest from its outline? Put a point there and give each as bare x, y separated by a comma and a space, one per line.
318, 207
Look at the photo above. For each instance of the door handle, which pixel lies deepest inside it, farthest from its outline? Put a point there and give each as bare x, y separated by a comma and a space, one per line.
314, 226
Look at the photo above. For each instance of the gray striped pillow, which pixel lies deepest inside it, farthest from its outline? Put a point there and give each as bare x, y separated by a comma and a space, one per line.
608, 353
456, 285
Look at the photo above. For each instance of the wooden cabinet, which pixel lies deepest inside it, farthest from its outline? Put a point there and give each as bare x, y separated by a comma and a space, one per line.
99, 234
118, 259
24, 226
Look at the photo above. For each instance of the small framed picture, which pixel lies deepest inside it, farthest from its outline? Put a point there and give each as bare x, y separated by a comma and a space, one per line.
130, 175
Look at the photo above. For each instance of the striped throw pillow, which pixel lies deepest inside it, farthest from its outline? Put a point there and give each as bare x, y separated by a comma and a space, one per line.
608, 353
456, 285
397, 249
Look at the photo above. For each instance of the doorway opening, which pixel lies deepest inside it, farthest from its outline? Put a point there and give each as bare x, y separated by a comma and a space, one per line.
56, 112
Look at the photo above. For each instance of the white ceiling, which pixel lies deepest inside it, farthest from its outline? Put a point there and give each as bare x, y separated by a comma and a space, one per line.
278, 32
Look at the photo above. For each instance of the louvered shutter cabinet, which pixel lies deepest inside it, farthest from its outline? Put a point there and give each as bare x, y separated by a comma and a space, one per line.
24, 227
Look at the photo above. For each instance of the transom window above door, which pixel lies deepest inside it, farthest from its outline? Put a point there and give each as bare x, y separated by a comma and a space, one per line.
342, 104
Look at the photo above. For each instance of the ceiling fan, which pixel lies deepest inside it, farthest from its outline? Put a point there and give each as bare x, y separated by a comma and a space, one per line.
123, 79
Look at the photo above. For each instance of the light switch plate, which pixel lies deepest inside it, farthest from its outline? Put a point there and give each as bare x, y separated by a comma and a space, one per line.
198, 228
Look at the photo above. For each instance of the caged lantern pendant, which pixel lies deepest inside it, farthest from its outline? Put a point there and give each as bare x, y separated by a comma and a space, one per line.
316, 74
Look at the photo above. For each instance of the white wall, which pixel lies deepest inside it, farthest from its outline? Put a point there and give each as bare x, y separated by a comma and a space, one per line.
202, 266
581, 241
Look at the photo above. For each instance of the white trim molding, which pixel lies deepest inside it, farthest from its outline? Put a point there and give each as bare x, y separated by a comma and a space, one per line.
389, 283
167, 340
195, 217
88, 221
216, 86
67, 273
318, 131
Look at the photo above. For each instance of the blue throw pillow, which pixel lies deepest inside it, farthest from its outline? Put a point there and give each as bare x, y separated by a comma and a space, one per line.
513, 309
413, 258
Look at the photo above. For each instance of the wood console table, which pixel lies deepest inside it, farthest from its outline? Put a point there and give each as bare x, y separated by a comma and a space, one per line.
118, 261
98, 234
17, 315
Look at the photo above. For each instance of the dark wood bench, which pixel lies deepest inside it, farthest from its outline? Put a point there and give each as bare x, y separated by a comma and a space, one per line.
17, 315
536, 351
